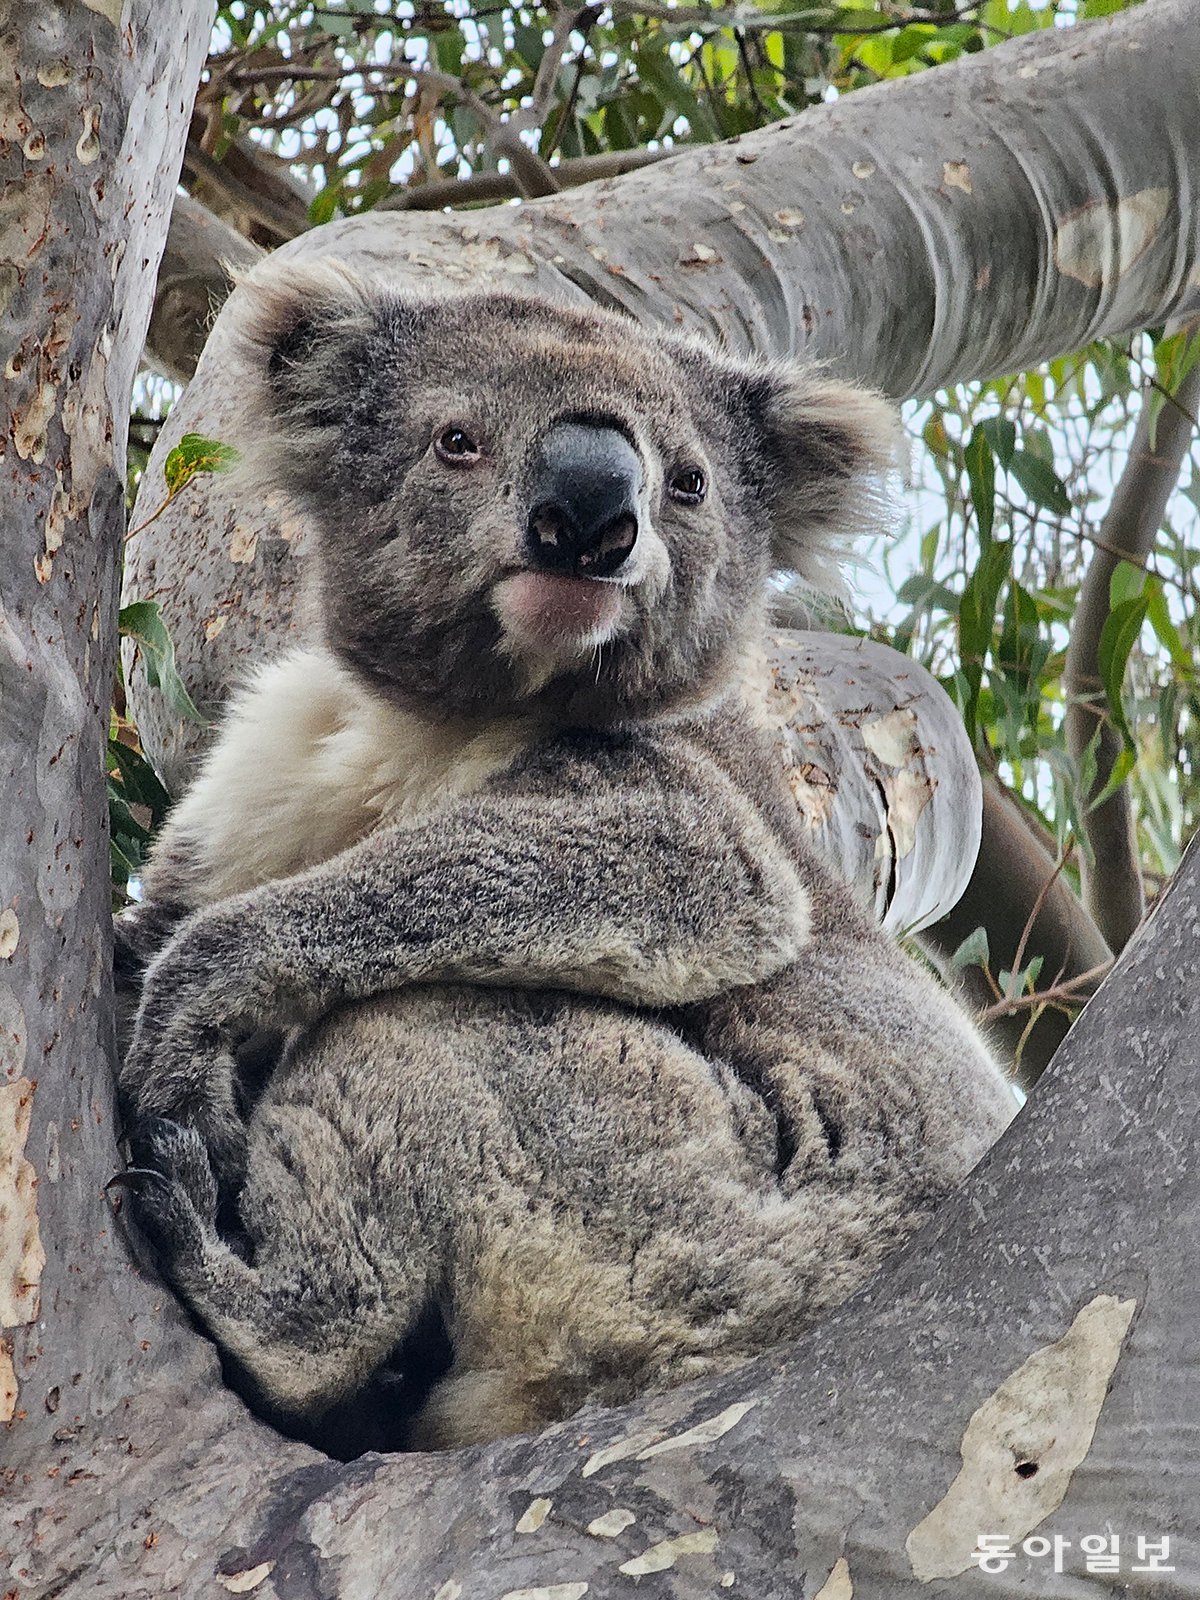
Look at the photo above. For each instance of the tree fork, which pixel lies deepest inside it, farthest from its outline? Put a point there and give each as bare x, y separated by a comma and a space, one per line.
1062, 1334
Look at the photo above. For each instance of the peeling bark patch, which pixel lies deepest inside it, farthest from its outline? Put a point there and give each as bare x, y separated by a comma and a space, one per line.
1100, 242
551, 1591
1024, 1442
106, 8
698, 255
87, 146
611, 1523
25, 219
538, 1511
53, 1156
14, 1036
621, 1451
666, 1552
837, 1585
703, 1433
450, 1590
10, 933
243, 546
244, 1582
892, 738
31, 425
31, 422
907, 794
53, 74
956, 175
8, 1383
814, 791
21, 1255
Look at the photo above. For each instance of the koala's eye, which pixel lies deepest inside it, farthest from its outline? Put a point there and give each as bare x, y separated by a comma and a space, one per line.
688, 485
456, 446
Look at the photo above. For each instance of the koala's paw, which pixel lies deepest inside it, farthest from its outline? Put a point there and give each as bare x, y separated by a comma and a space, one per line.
172, 1194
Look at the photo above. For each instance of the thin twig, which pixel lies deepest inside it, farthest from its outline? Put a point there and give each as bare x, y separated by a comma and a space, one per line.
740, 35
485, 186
1060, 994
1036, 911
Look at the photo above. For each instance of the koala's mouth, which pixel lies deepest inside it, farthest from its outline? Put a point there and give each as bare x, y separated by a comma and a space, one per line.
557, 613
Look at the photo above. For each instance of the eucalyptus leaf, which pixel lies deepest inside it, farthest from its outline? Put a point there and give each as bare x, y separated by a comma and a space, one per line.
1040, 483
142, 622
194, 454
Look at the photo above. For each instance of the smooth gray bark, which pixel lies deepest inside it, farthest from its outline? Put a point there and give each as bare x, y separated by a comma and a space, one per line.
193, 282
93, 102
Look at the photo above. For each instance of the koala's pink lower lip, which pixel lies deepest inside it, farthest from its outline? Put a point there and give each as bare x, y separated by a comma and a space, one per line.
549, 607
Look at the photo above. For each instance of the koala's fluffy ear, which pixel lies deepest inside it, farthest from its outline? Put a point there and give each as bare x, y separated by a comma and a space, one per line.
827, 450
302, 333
297, 325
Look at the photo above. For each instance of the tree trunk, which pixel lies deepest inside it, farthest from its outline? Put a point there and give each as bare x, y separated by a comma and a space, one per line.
94, 100
1005, 1330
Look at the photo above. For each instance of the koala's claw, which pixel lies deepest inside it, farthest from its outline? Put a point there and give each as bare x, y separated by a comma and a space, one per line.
172, 1192
172, 1150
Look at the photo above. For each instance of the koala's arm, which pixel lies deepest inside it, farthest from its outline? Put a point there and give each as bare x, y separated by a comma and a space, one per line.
655, 893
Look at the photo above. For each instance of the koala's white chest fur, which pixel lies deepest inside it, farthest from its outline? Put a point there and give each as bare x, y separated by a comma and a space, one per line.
309, 763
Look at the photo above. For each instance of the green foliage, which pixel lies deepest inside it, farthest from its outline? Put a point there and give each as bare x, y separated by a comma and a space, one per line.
137, 801
340, 86
1013, 482
973, 951
194, 454
137, 804
142, 622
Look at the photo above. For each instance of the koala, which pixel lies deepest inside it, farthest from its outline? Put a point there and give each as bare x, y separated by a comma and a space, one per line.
589, 1061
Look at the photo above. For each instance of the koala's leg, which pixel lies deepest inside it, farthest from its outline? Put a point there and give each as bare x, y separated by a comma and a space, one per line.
139, 933
312, 1313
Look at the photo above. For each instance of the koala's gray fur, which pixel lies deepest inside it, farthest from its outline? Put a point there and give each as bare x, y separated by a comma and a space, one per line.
590, 1052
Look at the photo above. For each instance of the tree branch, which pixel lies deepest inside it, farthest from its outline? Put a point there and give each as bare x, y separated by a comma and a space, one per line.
1112, 880
751, 20
1071, 993
486, 186
1013, 873
192, 285
244, 187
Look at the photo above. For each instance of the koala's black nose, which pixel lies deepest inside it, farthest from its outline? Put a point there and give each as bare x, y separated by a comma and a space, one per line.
584, 500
